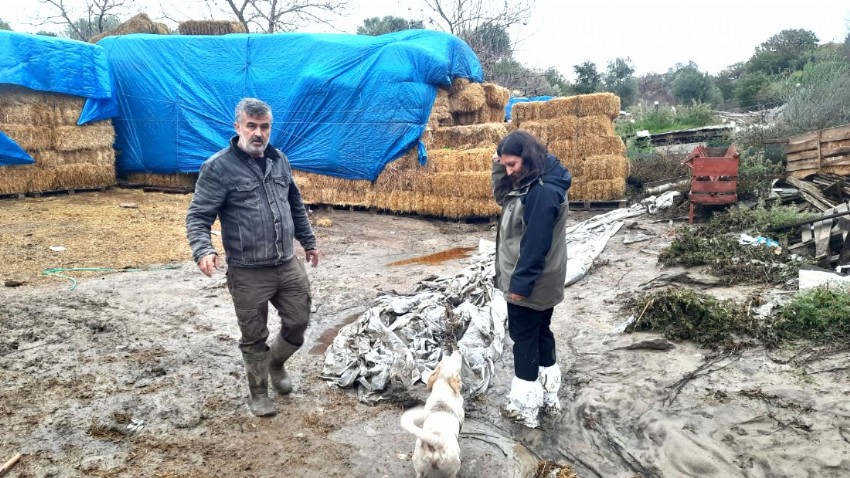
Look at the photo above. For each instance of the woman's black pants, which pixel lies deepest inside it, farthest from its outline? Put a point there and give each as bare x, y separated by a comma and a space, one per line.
534, 342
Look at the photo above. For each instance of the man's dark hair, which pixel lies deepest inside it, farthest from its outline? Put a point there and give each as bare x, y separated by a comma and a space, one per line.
523, 144
252, 107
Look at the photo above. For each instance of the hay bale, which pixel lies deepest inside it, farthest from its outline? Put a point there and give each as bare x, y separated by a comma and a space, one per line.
27, 136
140, 23
51, 158
584, 189
595, 125
595, 167
89, 136
465, 118
440, 115
468, 99
605, 104
461, 160
497, 115
466, 184
210, 27
584, 146
496, 96
22, 106
467, 137
528, 111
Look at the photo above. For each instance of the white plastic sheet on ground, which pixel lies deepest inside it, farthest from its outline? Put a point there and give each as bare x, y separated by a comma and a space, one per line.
401, 338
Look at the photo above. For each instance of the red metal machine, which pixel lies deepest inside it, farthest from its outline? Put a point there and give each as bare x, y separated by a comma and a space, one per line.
714, 176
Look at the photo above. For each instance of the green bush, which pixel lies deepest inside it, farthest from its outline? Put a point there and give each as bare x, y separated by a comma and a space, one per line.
756, 174
819, 314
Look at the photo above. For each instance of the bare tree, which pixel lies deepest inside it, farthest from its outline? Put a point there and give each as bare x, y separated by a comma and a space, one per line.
97, 17
269, 16
482, 24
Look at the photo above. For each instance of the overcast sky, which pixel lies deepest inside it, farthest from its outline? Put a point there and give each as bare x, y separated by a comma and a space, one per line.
655, 34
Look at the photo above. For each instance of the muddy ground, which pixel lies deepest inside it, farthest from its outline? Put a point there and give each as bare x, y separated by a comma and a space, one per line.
138, 374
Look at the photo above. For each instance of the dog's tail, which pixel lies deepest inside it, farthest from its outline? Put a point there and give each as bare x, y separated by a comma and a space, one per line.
412, 420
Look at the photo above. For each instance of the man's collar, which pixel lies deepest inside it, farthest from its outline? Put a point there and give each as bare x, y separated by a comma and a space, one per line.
270, 151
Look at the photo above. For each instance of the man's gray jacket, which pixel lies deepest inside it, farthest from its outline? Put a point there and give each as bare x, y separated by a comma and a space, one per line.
260, 212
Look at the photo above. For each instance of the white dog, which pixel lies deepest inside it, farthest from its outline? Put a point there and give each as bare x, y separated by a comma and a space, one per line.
437, 425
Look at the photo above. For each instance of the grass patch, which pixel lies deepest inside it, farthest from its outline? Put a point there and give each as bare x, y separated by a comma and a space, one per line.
819, 314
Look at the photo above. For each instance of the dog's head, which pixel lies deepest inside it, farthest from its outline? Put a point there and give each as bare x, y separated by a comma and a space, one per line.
448, 370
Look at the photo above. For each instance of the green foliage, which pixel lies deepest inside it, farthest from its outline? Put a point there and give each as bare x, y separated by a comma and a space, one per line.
649, 165
560, 85
516, 76
690, 85
683, 314
733, 263
755, 174
753, 92
819, 314
658, 118
619, 79
821, 100
588, 79
379, 26
786, 51
4, 25
759, 221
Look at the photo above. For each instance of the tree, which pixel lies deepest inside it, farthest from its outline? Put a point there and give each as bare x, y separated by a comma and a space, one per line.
516, 77
752, 91
4, 25
690, 85
726, 79
588, 80
482, 24
270, 16
559, 84
654, 87
619, 79
98, 16
379, 26
786, 51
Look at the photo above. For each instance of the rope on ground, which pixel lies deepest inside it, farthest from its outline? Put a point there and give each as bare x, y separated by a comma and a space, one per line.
60, 271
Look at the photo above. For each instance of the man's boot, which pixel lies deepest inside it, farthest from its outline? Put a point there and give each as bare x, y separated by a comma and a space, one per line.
550, 379
257, 369
524, 402
280, 352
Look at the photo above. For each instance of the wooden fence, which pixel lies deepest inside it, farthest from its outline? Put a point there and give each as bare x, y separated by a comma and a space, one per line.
827, 151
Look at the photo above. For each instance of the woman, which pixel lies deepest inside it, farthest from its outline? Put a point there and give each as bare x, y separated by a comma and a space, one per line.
531, 263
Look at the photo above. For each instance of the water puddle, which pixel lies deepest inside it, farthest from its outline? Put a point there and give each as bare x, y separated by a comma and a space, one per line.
327, 337
437, 257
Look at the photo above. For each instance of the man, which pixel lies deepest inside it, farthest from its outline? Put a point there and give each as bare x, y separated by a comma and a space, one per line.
531, 264
249, 187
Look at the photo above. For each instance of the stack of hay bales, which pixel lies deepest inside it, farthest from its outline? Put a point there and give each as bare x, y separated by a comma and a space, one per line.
140, 23
67, 156
210, 27
463, 130
579, 130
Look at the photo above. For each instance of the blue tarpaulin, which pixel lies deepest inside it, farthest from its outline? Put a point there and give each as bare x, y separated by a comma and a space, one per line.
513, 101
54, 65
11, 153
342, 105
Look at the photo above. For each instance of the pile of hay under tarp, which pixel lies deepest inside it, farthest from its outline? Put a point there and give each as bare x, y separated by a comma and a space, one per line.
579, 130
66, 156
210, 27
140, 23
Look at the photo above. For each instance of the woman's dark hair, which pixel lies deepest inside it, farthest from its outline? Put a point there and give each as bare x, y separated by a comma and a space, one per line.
522, 144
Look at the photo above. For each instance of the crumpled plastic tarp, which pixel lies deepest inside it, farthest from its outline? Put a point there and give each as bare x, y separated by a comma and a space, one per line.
401, 338
342, 105
11, 153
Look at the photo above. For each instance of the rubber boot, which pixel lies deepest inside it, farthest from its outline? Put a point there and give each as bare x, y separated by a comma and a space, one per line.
550, 380
281, 350
524, 402
257, 370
